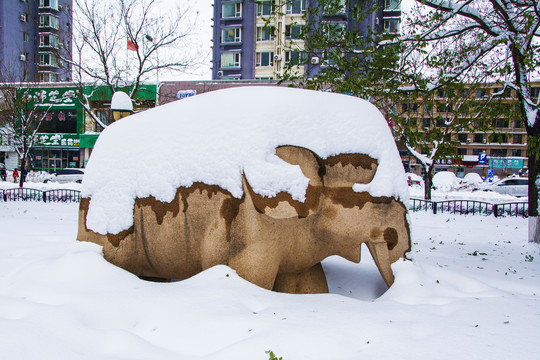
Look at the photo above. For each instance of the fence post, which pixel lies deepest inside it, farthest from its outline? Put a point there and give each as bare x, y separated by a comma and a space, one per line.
44, 196
495, 209
4, 195
434, 205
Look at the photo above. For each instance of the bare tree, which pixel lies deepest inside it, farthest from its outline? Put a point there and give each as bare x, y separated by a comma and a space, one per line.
22, 111
497, 39
122, 43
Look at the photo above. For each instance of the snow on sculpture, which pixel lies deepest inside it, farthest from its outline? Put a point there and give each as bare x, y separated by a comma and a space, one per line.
267, 180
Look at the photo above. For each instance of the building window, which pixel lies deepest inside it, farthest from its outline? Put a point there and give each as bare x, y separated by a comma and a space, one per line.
518, 124
26, 36
391, 25
518, 139
294, 57
265, 58
535, 92
462, 138
480, 93
265, 7
500, 123
478, 138
426, 122
334, 30
500, 138
293, 32
412, 107
24, 17
48, 20
231, 10
443, 108
296, 6
516, 152
498, 152
230, 60
59, 121
52, 4
461, 152
392, 4
231, 35
48, 40
265, 33
47, 59
334, 7
48, 77
477, 151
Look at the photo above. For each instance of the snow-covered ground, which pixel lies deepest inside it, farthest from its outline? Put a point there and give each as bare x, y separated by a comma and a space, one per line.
471, 291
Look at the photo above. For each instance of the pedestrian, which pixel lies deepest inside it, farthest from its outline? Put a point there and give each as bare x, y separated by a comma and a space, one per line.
3, 173
15, 175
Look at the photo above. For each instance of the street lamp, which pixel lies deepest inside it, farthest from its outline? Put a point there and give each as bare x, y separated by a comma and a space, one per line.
121, 105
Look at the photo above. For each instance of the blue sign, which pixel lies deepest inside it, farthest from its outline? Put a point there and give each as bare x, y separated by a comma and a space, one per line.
490, 175
182, 94
482, 159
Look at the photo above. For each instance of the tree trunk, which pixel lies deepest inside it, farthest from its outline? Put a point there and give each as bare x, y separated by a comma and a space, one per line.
533, 153
428, 182
21, 174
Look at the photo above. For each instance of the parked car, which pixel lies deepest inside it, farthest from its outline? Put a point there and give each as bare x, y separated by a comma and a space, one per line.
513, 185
66, 176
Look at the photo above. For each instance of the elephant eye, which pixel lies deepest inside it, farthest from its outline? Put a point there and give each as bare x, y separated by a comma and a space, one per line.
345, 170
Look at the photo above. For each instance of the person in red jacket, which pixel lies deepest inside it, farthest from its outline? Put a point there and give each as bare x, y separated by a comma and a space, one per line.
15, 175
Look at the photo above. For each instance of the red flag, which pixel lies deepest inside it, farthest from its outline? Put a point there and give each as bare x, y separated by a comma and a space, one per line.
131, 46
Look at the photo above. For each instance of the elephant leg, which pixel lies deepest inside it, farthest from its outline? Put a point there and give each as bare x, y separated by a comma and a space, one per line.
311, 281
379, 252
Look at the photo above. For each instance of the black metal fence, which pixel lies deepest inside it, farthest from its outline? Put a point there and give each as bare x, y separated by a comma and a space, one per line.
471, 207
27, 194
446, 206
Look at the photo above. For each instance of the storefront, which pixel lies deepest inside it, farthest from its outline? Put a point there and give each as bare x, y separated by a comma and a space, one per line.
56, 151
57, 143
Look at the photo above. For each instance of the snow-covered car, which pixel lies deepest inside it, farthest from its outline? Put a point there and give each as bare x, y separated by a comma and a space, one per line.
516, 186
445, 181
66, 176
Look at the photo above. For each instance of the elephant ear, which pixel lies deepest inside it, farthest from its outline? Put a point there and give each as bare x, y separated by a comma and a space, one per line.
310, 164
345, 170
282, 205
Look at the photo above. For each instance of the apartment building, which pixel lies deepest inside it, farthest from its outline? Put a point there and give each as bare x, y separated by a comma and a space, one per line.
258, 40
504, 146
34, 36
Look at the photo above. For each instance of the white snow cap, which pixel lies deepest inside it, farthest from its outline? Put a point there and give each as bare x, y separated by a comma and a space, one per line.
121, 101
215, 137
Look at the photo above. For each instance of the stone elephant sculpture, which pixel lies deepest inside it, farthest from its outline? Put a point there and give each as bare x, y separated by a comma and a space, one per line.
276, 243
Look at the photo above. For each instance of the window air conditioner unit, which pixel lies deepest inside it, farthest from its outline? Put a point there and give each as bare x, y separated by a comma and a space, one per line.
277, 57
220, 73
468, 141
485, 141
22, 57
23, 17
315, 60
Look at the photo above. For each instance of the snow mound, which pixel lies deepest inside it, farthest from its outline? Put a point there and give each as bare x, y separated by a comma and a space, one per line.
216, 137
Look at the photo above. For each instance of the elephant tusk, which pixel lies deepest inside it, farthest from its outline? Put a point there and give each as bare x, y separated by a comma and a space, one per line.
381, 255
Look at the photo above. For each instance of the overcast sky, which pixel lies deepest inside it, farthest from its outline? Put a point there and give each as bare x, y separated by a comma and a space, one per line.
205, 10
